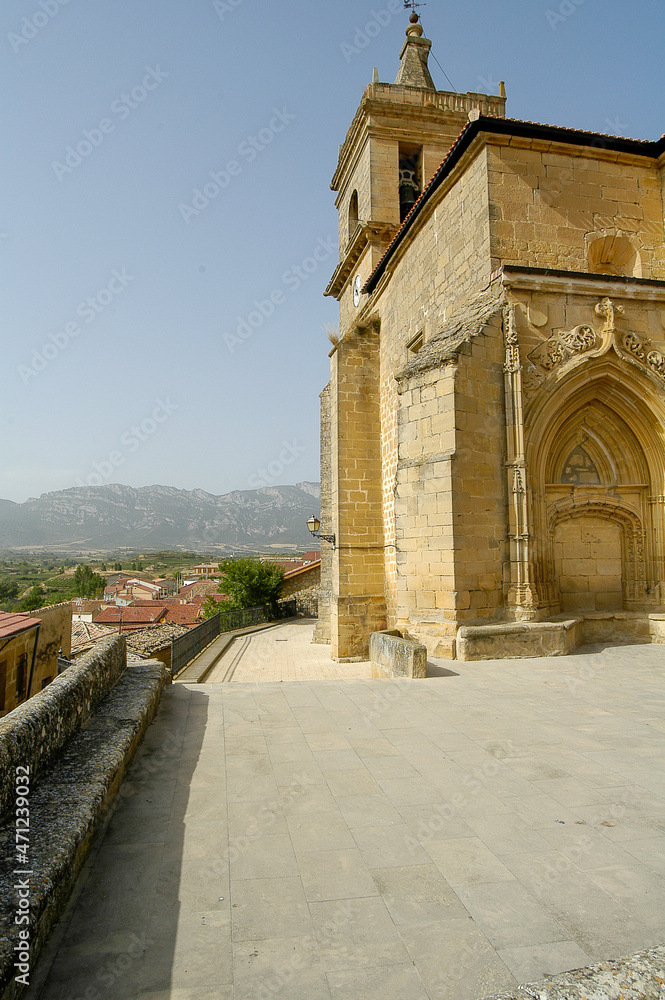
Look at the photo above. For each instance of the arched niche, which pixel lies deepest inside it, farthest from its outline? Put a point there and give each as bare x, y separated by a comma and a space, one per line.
613, 253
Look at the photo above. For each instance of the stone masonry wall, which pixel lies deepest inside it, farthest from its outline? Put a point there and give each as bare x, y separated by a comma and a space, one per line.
322, 630
358, 605
424, 506
549, 203
448, 260
479, 477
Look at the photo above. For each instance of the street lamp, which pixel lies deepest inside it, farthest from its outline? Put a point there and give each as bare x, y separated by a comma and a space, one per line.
314, 524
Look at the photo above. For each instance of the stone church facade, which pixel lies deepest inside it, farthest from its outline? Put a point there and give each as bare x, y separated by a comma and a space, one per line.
493, 433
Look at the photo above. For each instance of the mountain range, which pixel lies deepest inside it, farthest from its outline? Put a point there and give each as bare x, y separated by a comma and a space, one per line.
114, 517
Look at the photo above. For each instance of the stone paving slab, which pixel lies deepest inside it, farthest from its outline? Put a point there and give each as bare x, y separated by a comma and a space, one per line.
438, 839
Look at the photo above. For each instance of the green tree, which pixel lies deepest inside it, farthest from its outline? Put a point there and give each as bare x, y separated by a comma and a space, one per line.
88, 584
211, 607
250, 583
8, 590
36, 598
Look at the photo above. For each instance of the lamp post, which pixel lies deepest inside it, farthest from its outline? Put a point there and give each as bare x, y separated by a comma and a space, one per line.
314, 524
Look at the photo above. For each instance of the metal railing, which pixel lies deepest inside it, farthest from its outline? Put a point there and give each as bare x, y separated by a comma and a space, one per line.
189, 645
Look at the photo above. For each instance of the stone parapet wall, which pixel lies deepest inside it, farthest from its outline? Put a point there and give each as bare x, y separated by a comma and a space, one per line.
77, 761
35, 731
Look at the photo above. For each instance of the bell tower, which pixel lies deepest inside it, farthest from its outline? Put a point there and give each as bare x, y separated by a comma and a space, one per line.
399, 135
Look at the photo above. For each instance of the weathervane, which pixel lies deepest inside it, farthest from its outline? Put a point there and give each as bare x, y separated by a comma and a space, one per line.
412, 4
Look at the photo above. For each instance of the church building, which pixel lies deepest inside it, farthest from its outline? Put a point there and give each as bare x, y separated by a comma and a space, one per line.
493, 433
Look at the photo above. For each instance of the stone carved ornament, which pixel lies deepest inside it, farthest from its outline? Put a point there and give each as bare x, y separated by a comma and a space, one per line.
588, 341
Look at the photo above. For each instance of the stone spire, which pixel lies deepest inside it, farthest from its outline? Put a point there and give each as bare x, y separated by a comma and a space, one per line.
413, 71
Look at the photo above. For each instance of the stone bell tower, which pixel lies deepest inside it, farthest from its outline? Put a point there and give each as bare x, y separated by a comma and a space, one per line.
399, 136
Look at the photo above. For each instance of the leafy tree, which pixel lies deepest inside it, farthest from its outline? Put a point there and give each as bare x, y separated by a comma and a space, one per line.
36, 598
88, 584
211, 607
250, 583
8, 590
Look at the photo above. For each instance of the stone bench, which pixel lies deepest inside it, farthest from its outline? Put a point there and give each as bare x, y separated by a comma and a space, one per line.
394, 656
71, 788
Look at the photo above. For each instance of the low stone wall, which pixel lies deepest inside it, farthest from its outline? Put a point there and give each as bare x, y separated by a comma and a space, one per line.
657, 628
518, 640
616, 626
559, 636
76, 740
37, 729
394, 656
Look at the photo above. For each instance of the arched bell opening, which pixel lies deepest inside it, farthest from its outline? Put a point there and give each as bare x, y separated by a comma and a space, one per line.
353, 214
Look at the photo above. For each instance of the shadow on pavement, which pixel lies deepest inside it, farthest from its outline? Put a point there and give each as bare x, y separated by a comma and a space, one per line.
118, 935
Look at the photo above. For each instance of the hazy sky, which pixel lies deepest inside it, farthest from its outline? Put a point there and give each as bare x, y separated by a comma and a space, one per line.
125, 297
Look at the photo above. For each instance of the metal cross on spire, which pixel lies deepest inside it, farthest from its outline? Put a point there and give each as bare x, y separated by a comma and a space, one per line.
412, 4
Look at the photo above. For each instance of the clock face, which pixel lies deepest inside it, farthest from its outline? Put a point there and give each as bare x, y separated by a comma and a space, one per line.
357, 285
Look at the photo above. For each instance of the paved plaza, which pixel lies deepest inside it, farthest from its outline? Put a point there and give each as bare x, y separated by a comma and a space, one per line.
284, 653
352, 839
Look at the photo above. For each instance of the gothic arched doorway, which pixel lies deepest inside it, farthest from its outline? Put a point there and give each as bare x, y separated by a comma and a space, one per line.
595, 478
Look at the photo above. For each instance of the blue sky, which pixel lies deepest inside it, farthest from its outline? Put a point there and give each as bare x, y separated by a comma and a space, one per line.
122, 295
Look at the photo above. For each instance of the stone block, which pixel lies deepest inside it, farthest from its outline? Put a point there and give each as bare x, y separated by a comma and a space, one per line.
518, 640
392, 655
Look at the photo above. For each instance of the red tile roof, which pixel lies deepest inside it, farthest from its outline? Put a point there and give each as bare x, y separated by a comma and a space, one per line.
15, 623
183, 614
132, 615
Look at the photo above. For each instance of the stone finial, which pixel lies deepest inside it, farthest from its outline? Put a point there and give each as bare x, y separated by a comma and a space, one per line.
413, 71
